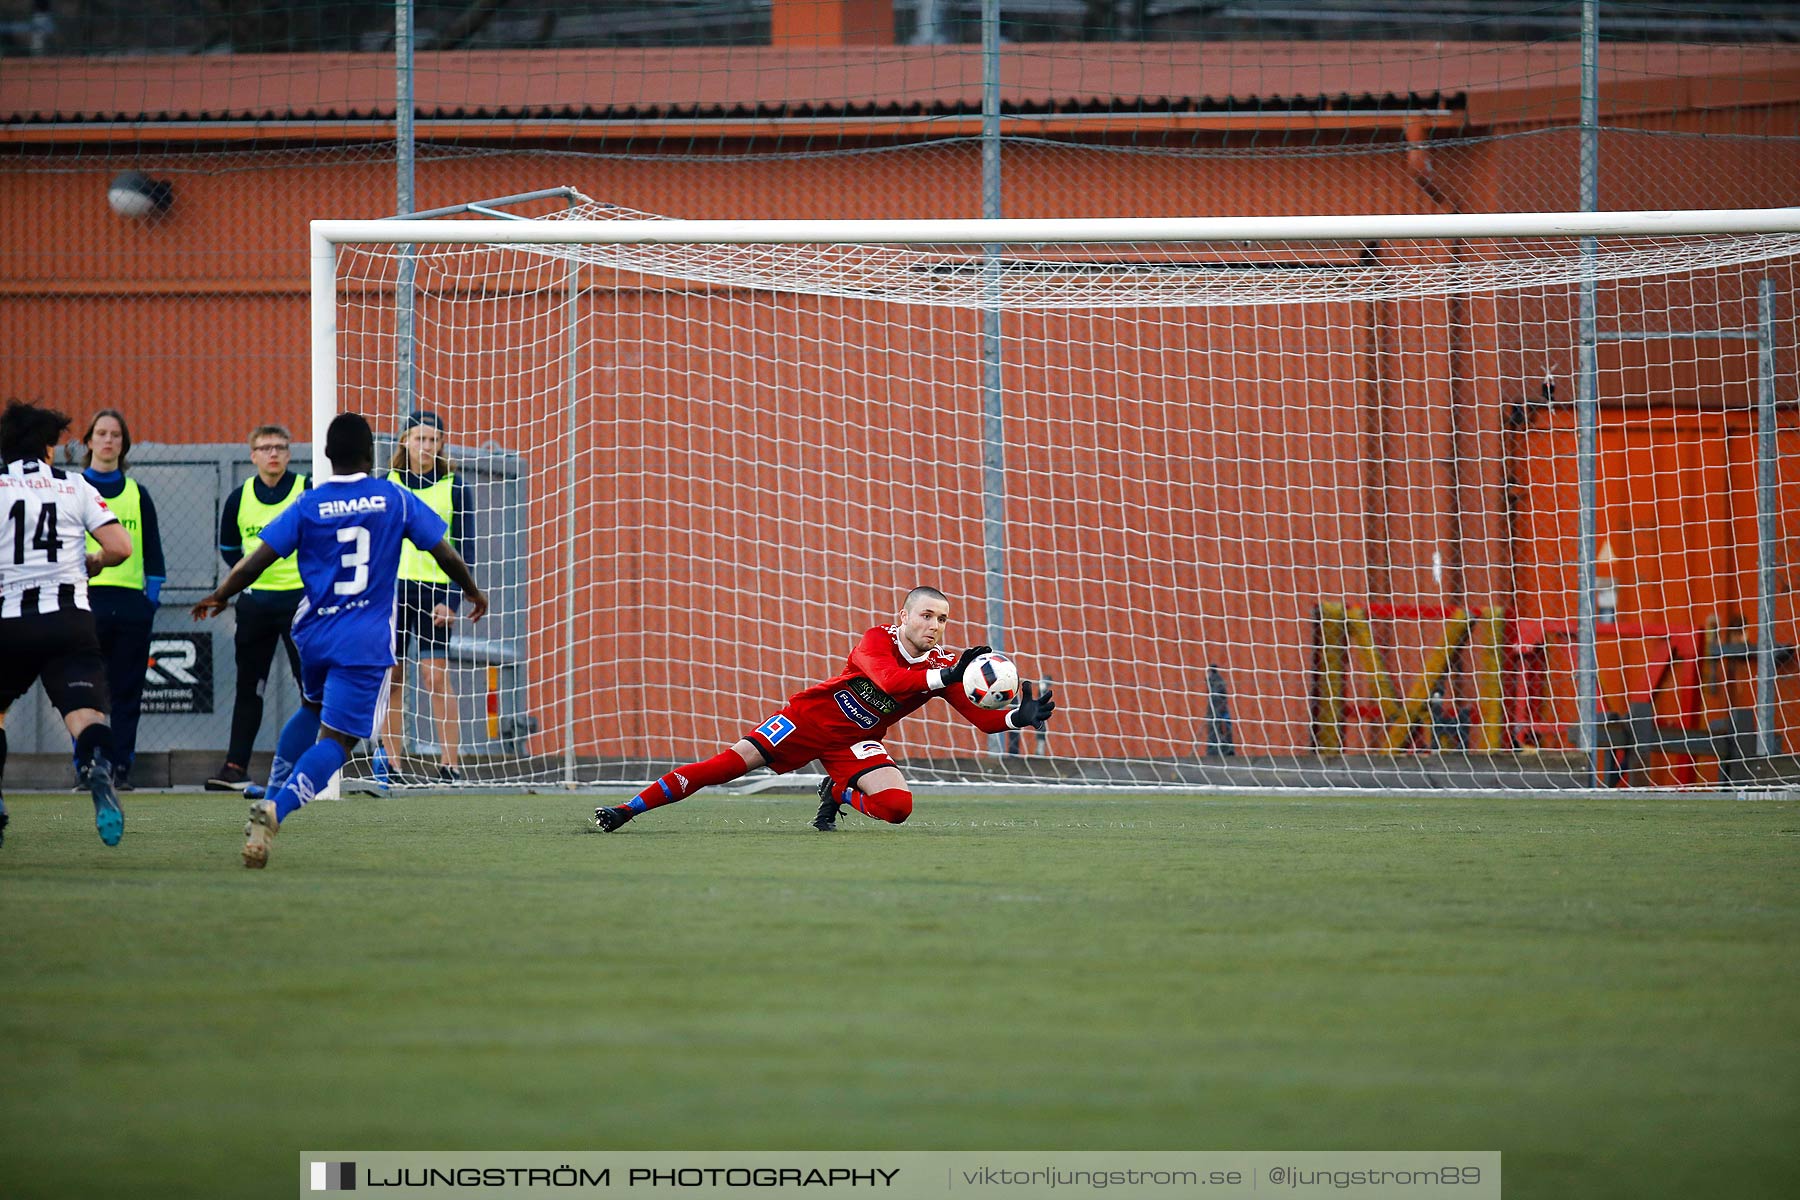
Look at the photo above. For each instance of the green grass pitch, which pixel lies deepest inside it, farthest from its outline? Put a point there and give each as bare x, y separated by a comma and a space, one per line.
1605, 990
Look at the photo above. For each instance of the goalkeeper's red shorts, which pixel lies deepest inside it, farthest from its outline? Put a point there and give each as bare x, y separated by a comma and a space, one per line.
792, 738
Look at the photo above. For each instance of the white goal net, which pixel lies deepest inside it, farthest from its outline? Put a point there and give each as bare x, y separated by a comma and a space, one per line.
1389, 503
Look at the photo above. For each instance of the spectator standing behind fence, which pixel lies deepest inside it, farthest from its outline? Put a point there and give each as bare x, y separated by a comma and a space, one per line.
428, 602
124, 598
265, 610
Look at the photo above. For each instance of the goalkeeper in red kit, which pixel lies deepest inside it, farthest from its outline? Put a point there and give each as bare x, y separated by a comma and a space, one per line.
894, 670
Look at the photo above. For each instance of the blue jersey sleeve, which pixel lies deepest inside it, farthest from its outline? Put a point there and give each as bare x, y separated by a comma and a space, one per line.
282, 535
424, 528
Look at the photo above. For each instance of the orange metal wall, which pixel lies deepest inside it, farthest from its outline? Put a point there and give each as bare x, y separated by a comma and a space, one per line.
1333, 452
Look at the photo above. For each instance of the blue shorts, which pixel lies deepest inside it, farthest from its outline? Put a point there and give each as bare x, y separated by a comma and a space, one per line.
351, 698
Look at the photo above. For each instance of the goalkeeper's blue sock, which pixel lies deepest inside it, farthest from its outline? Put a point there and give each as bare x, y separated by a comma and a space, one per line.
309, 777
297, 737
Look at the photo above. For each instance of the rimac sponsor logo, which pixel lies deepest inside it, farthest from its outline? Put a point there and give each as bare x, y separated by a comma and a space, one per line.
853, 709
333, 1176
352, 507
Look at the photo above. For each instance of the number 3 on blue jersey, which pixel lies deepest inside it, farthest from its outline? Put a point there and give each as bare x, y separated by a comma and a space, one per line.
357, 559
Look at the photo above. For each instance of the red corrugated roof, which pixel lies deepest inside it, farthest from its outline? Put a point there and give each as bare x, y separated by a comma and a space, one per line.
1496, 82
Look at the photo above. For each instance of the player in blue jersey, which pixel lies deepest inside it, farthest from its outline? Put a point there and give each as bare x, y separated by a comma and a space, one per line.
346, 534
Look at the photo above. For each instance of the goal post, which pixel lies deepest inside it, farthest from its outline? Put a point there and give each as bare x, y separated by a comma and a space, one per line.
1236, 461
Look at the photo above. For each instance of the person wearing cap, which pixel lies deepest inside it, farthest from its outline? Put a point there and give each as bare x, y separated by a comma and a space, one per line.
428, 601
265, 610
124, 597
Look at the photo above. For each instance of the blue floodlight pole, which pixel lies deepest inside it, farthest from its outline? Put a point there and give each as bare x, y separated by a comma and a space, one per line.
1587, 409
405, 298
993, 425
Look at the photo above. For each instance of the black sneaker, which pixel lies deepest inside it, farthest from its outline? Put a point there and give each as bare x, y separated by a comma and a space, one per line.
3, 820
229, 778
829, 807
610, 819
122, 781
450, 775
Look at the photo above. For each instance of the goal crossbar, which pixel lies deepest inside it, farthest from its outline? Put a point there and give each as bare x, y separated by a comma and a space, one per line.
1420, 227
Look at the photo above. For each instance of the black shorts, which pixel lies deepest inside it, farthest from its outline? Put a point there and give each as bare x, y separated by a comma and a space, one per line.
62, 649
412, 617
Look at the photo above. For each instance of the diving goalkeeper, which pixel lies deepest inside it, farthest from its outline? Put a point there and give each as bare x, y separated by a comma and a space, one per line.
894, 670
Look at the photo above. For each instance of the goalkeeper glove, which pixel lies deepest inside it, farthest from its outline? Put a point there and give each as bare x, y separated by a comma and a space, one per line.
946, 676
1033, 710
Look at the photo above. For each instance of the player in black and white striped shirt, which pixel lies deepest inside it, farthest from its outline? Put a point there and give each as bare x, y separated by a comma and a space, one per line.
46, 627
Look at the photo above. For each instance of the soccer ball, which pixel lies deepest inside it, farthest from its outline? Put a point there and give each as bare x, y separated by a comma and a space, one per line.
992, 681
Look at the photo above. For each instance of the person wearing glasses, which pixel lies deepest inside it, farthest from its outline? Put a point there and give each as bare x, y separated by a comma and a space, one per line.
265, 611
